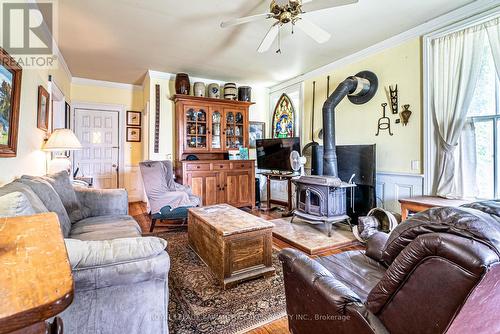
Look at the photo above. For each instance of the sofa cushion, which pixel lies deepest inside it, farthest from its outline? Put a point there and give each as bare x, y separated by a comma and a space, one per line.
15, 204
17, 186
50, 199
91, 253
64, 188
355, 270
105, 228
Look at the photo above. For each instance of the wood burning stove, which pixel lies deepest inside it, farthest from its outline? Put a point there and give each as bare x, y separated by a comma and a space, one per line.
323, 198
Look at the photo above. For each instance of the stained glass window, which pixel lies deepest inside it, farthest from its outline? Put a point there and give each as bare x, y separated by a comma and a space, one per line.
284, 118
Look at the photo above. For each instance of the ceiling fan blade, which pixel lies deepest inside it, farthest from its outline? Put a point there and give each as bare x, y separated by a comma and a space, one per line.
245, 19
311, 29
314, 5
270, 37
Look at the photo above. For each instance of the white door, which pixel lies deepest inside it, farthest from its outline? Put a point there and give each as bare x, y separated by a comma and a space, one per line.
98, 131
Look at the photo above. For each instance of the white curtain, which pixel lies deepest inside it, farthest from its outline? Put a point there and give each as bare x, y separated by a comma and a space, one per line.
455, 71
465, 169
493, 29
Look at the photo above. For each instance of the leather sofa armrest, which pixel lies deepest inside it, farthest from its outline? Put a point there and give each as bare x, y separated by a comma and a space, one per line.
102, 202
375, 245
319, 303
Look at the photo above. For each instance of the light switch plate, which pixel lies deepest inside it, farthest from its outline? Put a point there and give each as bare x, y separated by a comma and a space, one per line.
415, 165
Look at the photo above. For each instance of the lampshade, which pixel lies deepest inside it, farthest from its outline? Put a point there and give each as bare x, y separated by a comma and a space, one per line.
62, 140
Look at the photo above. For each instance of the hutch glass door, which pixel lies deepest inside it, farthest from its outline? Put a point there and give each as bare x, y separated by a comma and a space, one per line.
196, 129
234, 130
216, 131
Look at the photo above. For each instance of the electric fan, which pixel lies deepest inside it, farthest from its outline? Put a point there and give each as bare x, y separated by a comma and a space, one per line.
297, 162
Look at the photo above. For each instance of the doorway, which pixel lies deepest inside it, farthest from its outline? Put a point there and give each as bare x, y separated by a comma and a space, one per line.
98, 130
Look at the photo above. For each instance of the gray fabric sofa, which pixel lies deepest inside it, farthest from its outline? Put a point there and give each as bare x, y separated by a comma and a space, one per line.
121, 278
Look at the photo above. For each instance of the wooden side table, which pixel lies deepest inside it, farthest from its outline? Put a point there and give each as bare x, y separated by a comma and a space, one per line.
422, 203
35, 275
279, 177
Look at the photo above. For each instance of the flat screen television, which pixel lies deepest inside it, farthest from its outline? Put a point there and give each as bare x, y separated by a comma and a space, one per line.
274, 154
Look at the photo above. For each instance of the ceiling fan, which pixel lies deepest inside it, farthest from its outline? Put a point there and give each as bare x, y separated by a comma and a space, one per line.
291, 11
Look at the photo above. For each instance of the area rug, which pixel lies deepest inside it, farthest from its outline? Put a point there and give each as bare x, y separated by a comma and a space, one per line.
199, 305
313, 239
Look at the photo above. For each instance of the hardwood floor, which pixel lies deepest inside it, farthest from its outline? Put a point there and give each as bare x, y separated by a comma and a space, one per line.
139, 212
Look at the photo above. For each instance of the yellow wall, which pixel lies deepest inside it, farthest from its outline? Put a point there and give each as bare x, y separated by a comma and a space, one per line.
357, 124
131, 99
30, 159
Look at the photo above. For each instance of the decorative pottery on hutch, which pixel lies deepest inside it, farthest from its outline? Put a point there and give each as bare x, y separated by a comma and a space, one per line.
230, 91
199, 89
182, 84
214, 91
245, 94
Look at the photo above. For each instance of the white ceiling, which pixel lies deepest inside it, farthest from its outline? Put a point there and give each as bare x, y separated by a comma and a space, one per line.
119, 40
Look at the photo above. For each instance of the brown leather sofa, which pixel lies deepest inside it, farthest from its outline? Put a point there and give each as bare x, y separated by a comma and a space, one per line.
415, 280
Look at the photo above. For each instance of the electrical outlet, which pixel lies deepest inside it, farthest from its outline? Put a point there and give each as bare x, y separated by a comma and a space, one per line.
415, 165
169, 156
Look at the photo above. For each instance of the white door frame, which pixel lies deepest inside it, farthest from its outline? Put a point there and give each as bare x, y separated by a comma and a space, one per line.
121, 109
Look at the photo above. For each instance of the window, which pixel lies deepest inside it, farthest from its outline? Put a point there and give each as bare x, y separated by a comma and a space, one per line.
284, 118
483, 141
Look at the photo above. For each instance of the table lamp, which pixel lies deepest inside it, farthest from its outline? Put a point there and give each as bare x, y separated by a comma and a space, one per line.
61, 140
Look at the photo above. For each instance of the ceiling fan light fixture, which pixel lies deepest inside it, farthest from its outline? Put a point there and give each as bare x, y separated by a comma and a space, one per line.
290, 11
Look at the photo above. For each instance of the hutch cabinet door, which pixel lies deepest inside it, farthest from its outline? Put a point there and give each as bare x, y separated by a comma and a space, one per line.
216, 130
236, 128
238, 188
205, 185
195, 128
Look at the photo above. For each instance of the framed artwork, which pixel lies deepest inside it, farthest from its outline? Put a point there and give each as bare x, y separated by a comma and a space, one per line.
43, 109
10, 90
134, 118
133, 135
67, 115
257, 131
284, 118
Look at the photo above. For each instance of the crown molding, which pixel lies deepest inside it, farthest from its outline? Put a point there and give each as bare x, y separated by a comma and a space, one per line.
106, 84
61, 60
452, 17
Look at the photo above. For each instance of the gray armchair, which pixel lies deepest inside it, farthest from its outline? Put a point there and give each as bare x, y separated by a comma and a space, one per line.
167, 200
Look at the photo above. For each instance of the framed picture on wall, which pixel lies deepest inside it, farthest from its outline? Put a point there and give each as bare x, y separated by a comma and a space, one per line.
10, 89
257, 131
67, 114
134, 118
133, 135
43, 109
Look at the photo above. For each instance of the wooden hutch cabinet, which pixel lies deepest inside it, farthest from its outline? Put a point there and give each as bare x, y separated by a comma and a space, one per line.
208, 128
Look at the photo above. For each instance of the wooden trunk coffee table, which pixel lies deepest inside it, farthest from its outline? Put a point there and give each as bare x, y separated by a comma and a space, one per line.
236, 245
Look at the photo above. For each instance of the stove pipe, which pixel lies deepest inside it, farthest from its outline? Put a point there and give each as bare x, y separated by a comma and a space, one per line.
360, 88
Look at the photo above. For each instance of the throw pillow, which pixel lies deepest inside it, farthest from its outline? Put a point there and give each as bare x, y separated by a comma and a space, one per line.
15, 204
34, 200
62, 184
50, 199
